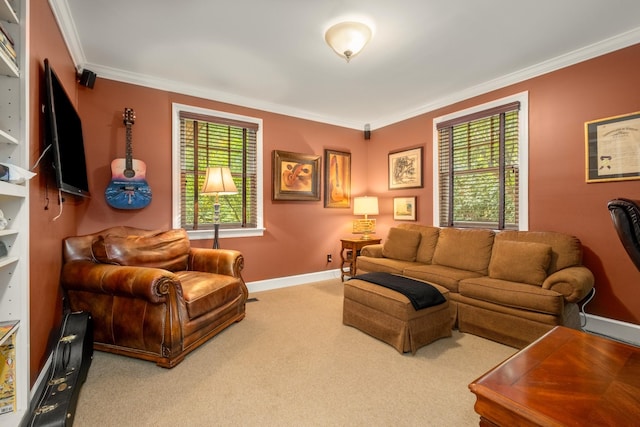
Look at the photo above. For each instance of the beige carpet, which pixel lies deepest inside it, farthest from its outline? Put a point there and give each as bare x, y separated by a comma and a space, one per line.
291, 362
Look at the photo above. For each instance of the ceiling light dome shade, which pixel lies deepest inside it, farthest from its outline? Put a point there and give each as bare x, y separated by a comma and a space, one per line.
347, 39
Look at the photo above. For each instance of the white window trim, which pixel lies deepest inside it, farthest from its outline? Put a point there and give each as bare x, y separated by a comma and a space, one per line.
175, 173
523, 153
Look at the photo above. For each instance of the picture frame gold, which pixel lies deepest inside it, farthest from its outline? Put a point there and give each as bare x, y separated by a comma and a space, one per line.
404, 208
337, 179
296, 176
612, 148
405, 169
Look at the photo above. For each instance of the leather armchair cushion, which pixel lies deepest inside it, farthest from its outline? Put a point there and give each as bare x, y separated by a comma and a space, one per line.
168, 250
525, 262
204, 291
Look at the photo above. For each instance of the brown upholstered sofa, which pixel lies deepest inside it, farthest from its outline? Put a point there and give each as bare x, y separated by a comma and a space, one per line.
151, 295
508, 286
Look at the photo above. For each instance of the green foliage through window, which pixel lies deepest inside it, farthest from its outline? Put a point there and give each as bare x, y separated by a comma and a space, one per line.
479, 170
212, 141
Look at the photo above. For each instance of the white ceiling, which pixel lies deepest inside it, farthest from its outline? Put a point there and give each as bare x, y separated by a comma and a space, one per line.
271, 54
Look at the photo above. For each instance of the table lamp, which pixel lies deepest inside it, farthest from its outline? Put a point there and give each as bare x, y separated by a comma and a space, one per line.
365, 206
218, 182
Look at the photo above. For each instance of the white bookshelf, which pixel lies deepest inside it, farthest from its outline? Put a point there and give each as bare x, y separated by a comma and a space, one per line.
14, 200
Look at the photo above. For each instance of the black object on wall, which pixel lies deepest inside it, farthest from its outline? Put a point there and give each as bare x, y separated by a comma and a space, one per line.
367, 131
88, 78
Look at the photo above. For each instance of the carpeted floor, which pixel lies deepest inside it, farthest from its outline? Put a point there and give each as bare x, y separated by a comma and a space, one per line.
291, 362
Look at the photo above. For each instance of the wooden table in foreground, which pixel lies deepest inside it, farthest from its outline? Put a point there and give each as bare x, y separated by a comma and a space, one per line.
565, 378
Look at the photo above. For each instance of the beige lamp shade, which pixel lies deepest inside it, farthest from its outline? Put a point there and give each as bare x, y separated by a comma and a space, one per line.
347, 39
365, 206
218, 181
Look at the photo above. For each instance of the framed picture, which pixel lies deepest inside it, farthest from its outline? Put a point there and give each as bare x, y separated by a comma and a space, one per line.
613, 148
296, 176
404, 208
405, 169
337, 179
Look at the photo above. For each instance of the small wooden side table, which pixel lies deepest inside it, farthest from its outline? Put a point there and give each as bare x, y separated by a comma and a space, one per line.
350, 250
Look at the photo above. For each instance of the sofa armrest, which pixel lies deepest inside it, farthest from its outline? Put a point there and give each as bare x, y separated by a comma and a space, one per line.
374, 251
574, 283
220, 261
151, 284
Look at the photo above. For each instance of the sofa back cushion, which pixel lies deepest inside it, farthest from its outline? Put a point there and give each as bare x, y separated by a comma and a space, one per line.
161, 249
525, 262
401, 244
464, 249
428, 241
566, 250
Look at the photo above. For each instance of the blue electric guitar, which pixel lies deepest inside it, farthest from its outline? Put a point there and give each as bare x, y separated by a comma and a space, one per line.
128, 188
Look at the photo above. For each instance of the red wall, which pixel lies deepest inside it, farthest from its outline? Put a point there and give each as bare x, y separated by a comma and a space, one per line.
46, 232
299, 234
559, 198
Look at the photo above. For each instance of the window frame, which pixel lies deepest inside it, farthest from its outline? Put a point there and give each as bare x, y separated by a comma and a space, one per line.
523, 153
176, 189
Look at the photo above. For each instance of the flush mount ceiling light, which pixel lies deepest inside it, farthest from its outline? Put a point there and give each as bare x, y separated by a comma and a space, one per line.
347, 39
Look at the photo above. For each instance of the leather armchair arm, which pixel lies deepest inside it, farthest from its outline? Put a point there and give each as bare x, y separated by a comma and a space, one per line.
574, 283
374, 251
151, 284
221, 261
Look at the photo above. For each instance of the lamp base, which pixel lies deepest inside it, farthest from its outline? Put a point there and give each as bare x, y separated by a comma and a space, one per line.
216, 227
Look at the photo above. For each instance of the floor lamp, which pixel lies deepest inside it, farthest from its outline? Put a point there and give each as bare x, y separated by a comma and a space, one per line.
218, 182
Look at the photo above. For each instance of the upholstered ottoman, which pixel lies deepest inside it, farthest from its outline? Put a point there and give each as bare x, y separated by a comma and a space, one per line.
390, 316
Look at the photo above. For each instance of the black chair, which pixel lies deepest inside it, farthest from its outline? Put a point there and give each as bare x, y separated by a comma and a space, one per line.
625, 214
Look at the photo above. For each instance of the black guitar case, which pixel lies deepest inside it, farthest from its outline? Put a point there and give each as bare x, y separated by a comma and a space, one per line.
71, 361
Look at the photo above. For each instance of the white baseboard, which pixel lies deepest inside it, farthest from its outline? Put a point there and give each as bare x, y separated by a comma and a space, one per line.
615, 329
301, 279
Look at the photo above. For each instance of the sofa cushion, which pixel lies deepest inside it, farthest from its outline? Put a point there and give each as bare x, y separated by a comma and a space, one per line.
427, 242
525, 262
440, 274
401, 244
163, 249
511, 294
368, 264
464, 249
566, 250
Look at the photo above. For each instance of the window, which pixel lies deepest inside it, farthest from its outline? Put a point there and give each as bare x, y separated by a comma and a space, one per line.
203, 138
481, 172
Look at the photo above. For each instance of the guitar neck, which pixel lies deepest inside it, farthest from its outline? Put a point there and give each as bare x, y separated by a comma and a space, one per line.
129, 151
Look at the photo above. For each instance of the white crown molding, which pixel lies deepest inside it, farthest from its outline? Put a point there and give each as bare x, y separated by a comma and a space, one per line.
597, 49
67, 27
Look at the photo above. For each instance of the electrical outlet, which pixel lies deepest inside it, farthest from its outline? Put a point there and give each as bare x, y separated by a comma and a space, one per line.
329, 258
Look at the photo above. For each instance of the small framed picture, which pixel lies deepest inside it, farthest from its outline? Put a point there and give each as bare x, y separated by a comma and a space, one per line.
404, 208
405, 169
296, 176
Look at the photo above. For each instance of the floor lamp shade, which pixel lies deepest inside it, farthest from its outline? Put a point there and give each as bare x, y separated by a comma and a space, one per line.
218, 182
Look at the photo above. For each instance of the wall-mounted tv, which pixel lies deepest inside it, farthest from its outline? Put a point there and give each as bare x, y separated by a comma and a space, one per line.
64, 137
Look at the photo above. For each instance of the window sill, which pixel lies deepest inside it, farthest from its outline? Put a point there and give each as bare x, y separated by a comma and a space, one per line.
225, 233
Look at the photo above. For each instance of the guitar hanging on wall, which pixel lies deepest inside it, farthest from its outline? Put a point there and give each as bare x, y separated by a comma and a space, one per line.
128, 188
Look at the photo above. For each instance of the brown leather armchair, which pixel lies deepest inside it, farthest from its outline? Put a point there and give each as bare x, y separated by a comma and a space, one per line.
150, 294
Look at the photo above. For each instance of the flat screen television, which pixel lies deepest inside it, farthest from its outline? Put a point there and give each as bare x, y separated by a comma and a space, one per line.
64, 137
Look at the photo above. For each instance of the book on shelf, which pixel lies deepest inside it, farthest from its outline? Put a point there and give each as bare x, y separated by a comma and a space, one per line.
7, 328
8, 366
7, 35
